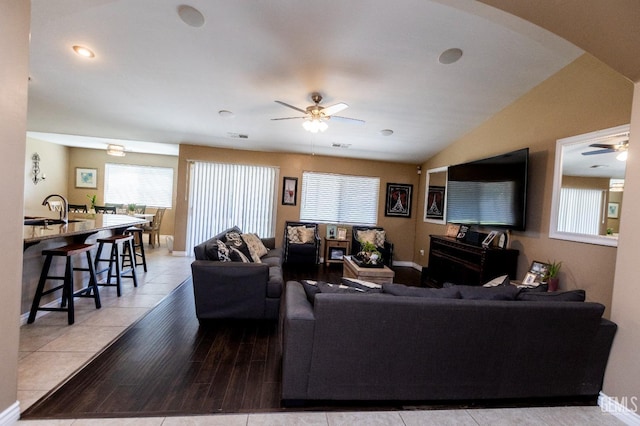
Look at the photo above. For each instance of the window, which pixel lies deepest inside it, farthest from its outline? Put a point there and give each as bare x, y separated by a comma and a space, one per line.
580, 210
144, 185
331, 198
225, 195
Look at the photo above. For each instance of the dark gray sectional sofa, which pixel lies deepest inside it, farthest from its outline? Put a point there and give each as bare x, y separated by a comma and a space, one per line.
236, 289
389, 347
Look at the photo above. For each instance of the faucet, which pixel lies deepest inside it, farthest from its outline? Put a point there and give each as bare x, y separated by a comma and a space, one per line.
64, 213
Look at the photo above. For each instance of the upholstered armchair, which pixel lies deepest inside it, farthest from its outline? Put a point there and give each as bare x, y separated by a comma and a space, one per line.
375, 235
301, 243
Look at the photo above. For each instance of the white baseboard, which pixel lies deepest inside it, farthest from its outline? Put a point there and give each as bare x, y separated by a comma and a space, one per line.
179, 253
612, 406
11, 415
407, 264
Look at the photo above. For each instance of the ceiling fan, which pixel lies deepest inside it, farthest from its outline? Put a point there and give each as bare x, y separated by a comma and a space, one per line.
619, 144
315, 116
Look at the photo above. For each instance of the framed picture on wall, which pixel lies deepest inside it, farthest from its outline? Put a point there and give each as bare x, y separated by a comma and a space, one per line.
613, 210
289, 191
398, 200
435, 203
86, 178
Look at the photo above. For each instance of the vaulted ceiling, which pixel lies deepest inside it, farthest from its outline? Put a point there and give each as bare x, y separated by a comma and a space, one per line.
154, 78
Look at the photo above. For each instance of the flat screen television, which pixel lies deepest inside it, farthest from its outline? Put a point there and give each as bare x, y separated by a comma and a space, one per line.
490, 192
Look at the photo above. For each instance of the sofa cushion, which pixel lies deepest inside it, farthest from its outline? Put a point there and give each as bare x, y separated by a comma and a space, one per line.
501, 292
275, 283
235, 241
255, 246
553, 296
433, 293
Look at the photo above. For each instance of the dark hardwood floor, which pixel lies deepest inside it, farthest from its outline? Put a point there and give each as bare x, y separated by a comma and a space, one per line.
167, 364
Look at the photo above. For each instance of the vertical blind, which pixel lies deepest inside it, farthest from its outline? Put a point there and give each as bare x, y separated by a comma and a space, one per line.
332, 198
226, 195
144, 185
580, 210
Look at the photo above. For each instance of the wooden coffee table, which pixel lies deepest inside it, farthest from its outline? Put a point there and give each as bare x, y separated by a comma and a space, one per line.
375, 275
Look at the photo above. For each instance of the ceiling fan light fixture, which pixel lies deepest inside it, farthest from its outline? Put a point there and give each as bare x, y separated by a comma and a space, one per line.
191, 16
386, 132
116, 150
622, 156
314, 126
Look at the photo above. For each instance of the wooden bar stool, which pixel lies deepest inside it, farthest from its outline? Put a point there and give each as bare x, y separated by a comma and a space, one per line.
138, 246
67, 286
115, 260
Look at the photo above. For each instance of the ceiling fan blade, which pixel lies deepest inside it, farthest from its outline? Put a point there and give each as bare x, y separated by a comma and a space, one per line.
334, 109
291, 106
286, 118
600, 151
604, 145
347, 119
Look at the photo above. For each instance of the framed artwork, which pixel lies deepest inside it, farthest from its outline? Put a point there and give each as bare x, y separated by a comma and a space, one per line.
613, 210
86, 178
489, 239
398, 200
289, 191
342, 233
331, 231
529, 279
539, 270
435, 203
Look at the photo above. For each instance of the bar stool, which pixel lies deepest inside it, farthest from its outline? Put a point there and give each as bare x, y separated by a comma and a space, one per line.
138, 243
116, 260
68, 293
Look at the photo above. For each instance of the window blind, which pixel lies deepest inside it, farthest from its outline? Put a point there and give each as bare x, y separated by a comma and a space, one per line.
145, 185
225, 195
333, 198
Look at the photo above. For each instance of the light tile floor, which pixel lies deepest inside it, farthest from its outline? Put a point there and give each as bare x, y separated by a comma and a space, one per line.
51, 350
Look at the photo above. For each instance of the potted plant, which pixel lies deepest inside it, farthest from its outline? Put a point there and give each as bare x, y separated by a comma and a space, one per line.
369, 255
131, 207
92, 200
552, 275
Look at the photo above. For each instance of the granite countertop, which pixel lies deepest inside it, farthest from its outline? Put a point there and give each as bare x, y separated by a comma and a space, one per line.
79, 224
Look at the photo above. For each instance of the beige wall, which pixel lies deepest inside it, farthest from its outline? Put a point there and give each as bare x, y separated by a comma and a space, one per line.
622, 377
14, 73
583, 97
54, 163
96, 158
399, 230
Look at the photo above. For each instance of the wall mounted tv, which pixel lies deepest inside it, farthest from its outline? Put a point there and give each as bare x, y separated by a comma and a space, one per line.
490, 192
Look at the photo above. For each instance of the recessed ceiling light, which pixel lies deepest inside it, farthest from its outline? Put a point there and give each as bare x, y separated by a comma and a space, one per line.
386, 132
190, 16
226, 114
450, 56
83, 51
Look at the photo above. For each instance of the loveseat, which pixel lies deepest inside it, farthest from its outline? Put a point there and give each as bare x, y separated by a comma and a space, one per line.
389, 346
236, 289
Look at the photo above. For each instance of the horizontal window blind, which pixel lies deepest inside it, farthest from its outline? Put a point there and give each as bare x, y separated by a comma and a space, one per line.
225, 195
144, 185
333, 198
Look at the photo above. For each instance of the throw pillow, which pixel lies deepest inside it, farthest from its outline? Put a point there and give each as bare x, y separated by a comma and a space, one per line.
379, 238
362, 285
368, 236
238, 256
311, 289
293, 235
255, 245
553, 296
469, 292
306, 235
217, 250
235, 241
432, 293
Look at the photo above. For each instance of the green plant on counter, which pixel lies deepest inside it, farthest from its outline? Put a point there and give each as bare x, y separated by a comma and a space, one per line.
554, 268
92, 200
